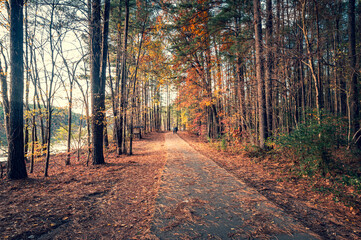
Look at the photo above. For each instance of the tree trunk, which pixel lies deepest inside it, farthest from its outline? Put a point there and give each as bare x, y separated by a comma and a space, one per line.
133, 104
116, 94
104, 67
4, 96
26, 132
79, 139
310, 63
122, 110
269, 66
353, 88
97, 111
241, 93
337, 76
259, 74
34, 138
70, 107
48, 139
49, 92
106, 139
16, 163
320, 99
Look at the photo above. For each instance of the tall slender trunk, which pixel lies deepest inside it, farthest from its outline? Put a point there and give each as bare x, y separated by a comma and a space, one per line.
4, 95
145, 110
122, 110
241, 93
310, 62
320, 99
70, 107
134, 90
116, 94
48, 139
49, 96
269, 66
208, 80
103, 68
106, 139
336, 77
353, 88
79, 139
259, 74
27, 85
34, 138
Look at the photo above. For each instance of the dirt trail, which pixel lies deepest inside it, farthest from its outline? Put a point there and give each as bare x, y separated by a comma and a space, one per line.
200, 200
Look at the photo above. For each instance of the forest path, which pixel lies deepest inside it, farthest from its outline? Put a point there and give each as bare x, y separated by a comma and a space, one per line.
198, 199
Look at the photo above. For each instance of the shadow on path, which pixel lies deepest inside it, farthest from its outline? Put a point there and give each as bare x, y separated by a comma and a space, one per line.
200, 200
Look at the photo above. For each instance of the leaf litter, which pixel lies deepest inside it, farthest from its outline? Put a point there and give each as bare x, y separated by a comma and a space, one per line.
111, 201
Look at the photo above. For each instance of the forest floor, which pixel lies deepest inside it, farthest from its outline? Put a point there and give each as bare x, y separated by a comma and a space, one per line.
111, 201
118, 200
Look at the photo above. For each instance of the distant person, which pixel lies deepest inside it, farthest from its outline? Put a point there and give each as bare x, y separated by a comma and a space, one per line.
175, 130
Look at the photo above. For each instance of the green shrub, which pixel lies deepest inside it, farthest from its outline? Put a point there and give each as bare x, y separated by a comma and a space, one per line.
224, 144
311, 144
254, 151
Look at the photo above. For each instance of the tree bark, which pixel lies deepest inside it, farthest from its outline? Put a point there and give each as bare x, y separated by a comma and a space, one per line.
27, 85
122, 110
353, 88
269, 66
116, 94
16, 163
97, 111
4, 96
70, 107
104, 67
259, 74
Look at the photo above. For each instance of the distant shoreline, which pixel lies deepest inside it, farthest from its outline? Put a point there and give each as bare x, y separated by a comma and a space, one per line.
55, 149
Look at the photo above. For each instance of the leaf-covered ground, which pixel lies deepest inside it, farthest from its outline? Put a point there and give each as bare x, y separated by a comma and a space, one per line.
113, 201
315, 210
117, 200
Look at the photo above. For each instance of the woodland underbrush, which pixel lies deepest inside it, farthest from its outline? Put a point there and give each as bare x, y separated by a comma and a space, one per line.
317, 151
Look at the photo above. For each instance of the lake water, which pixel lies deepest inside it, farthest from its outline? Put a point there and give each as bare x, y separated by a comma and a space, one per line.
54, 149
